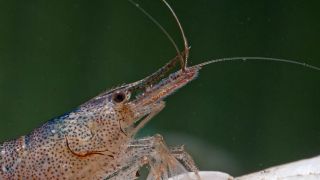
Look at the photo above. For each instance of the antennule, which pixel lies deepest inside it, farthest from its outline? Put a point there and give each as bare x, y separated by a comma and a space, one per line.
186, 45
183, 61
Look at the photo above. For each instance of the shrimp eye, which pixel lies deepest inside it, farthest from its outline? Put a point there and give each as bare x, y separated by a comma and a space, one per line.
118, 97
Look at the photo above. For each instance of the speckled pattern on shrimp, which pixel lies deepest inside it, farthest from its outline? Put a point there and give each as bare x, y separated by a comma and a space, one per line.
78, 144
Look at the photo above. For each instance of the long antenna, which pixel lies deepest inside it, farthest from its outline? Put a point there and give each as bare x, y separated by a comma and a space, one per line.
259, 59
183, 63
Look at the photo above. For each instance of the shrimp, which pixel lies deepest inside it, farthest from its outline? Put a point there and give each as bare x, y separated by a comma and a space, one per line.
97, 140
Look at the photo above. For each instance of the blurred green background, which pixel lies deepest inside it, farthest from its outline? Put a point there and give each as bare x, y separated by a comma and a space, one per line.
237, 117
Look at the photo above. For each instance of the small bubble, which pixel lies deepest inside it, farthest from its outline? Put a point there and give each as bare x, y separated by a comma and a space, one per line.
3, 152
53, 131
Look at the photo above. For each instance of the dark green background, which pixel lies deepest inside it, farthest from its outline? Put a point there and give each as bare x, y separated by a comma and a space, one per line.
55, 55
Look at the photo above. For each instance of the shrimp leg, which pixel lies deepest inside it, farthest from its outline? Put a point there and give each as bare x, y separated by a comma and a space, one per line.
153, 152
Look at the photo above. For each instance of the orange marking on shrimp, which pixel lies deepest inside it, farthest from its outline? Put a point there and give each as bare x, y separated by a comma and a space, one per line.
89, 153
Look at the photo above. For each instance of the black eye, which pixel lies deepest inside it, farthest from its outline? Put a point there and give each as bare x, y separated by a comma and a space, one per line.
118, 97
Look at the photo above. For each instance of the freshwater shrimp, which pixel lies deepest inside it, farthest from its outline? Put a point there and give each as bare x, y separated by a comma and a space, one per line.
97, 139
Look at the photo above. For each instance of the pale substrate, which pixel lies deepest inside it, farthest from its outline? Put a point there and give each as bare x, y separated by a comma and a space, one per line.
307, 169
